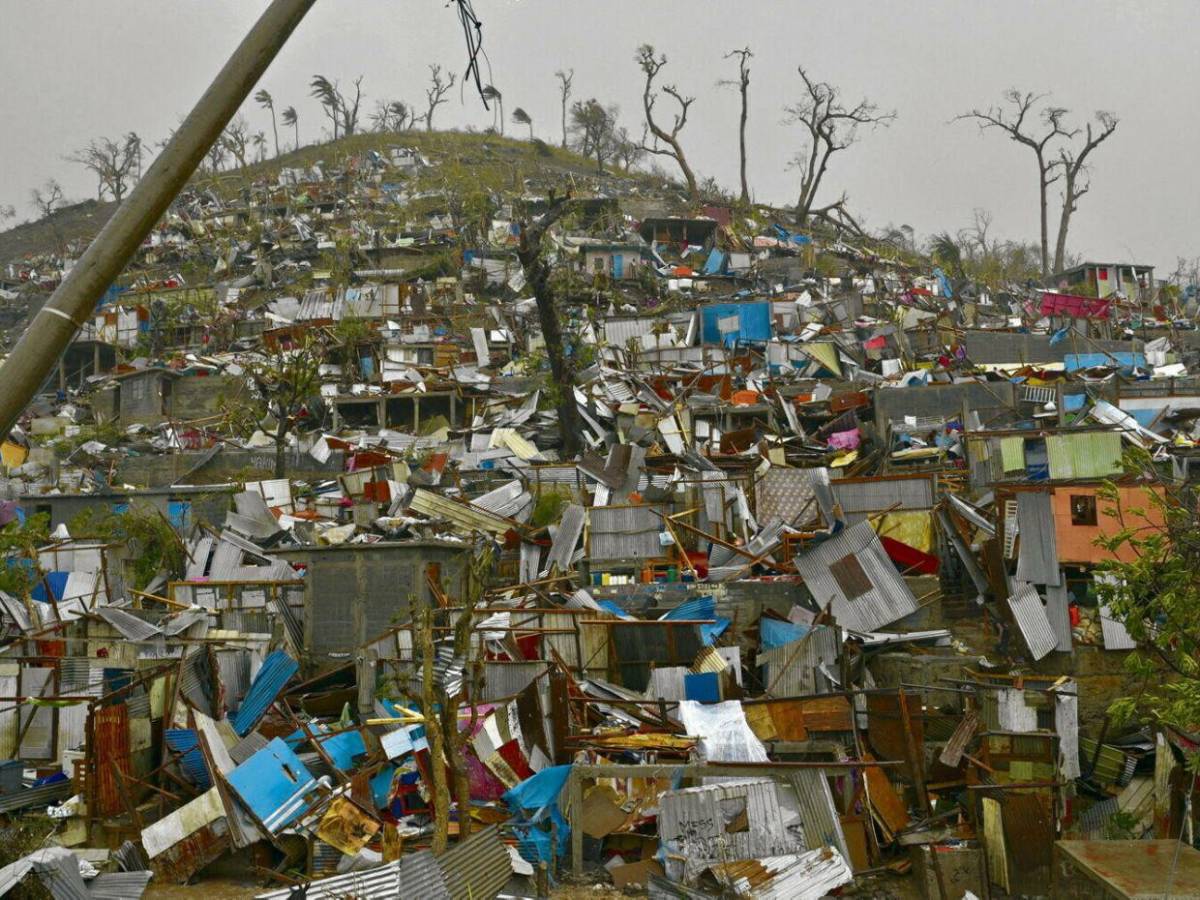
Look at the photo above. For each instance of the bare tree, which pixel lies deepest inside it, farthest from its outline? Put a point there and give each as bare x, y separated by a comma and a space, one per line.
435, 94
47, 199
1072, 165
523, 118
666, 143
264, 99
133, 144
7, 212
537, 270
831, 127
1018, 122
393, 116
743, 85
564, 95
340, 107
236, 138
594, 125
114, 164
628, 151
292, 118
216, 155
490, 92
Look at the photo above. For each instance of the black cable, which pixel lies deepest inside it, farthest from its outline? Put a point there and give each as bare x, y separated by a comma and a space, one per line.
473, 36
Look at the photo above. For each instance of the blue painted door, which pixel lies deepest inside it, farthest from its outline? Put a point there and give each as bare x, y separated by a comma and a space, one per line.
618, 265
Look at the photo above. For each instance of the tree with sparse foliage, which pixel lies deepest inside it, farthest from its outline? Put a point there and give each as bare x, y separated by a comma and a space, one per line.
394, 116
435, 94
565, 80
829, 127
264, 99
666, 141
1148, 583
743, 85
259, 142
47, 199
341, 108
1018, 119
492, 94
523, 118
114, 164
627, 150
537, 268
286, 380
236, 138
594, 126
1072, 164
292, 119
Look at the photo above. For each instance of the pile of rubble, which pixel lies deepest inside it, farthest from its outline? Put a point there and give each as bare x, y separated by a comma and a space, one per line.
815, 602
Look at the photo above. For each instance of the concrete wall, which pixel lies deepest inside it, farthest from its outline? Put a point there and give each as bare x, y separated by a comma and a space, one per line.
195, 397
226, 465
355, 592
208, 504
940, 400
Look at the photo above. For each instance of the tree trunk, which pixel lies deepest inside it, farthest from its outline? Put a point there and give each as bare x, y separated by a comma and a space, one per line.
433, 733
564, 122
281, 448
1043, 184
1064, 221
688, 175
562, 370
742, 145
275, 128
297, 126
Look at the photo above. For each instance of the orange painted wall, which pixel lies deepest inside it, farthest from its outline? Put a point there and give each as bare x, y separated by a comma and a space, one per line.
1075, 541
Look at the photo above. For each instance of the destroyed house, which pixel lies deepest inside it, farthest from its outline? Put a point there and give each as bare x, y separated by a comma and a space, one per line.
1132, 281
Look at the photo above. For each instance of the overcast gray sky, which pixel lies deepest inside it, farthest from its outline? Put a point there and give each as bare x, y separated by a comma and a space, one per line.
75, 69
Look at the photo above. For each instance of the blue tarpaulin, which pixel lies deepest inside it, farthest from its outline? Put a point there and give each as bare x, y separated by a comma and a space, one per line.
773, 633
753, 322
1124, 361
704, 687
534, 800
58, 586
716, 262
944, 282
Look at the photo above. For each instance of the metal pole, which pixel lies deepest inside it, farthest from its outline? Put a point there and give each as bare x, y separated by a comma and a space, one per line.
55, 325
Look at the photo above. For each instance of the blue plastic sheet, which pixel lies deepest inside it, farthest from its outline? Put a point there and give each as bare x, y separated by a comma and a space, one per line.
534, 802
773, 633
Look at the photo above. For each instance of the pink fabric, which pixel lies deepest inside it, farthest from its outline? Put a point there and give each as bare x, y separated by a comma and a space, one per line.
845, 440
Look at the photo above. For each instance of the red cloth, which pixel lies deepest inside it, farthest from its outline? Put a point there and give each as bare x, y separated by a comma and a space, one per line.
909, 557
1076, 307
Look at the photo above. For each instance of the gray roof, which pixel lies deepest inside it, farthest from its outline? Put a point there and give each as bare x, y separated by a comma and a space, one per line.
1030, 615
888, 597
1037, 561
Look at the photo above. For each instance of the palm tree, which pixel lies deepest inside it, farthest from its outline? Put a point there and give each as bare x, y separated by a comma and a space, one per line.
266, 101
260, 144
523, 118
291, 118
490, 93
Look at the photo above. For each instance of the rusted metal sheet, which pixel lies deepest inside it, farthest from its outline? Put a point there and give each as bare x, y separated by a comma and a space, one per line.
959, 741
110, 745
885, 727
1029, 833
477, 867
187, 857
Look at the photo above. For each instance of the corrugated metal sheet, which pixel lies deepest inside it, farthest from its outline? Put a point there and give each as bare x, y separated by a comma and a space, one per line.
1084, 454
818, 811
803, 876
184, 741
119, 885
36, 798
692, 825
1057, 611
274, 784
383, 882
1037, 560
619, 331
888, 598
566, 538
467, 517
476, 868
510, 500
1066, 725
859, 498
110, 745
1030, 615
507, 679
421, 876
277, 669
963, 734
1116, 635
624, 532
790, 670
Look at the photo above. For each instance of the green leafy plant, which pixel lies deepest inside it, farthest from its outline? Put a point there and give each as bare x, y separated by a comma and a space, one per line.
153, 545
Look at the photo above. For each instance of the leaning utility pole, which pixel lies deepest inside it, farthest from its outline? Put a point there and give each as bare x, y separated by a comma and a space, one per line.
56, 324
